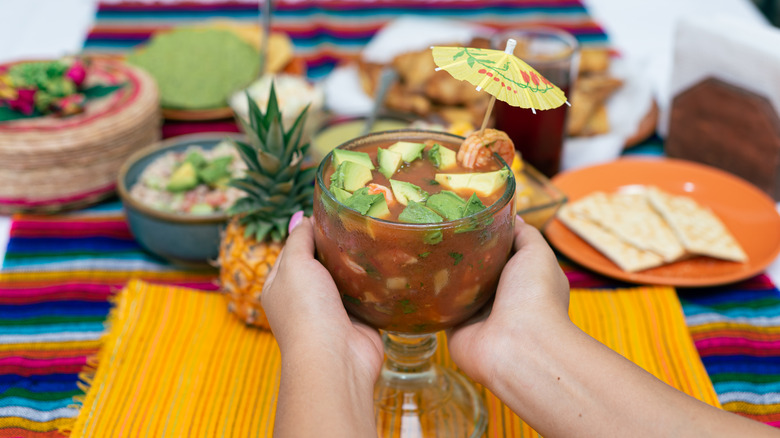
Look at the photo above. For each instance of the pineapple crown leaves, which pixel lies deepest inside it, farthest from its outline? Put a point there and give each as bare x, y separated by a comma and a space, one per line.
276, 184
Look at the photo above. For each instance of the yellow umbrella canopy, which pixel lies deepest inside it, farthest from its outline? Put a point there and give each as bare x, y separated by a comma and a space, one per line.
501, 74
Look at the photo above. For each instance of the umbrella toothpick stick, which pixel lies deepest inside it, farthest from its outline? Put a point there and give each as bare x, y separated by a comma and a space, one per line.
510, 50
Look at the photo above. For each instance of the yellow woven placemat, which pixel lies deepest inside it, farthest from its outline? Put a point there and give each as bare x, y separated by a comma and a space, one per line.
176, 363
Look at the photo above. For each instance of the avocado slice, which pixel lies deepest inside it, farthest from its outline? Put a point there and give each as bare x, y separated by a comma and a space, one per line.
350, 176
201, 208
484, 183
442, 157
341, 195
379, 209
447, 204
409, 151
342, 155
406, 191
196, 158
416, 213
215, 171
184, 178
389, 161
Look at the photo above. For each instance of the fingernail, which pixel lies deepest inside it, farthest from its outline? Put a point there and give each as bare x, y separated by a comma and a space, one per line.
295, 220
519, 219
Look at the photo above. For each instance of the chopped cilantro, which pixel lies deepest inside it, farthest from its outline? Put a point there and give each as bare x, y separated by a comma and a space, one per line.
457, 256
473, 205
350, 299
424, 255
434, 155
433, 237
417, 213
362, 201
407, 306
337, 179
419, 328
370, 269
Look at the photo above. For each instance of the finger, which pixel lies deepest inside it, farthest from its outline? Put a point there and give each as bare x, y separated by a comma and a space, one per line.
269, 279
527, 236
296, 239
530, 271
300, 243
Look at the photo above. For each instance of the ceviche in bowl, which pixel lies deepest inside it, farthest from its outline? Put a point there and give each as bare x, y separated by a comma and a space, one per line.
175, 195
191, 180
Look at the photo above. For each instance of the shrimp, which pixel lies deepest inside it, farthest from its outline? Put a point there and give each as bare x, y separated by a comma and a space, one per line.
374, 189
478, 148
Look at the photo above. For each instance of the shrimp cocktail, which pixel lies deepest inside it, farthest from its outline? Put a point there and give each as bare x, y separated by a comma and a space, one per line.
415, 228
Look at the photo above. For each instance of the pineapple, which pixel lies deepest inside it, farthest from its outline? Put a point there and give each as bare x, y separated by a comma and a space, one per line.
276, 186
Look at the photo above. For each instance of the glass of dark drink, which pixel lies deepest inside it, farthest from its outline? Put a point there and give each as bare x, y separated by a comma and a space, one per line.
539, 137
424, 256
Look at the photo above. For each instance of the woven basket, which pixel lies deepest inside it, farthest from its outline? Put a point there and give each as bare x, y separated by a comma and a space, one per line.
48, 164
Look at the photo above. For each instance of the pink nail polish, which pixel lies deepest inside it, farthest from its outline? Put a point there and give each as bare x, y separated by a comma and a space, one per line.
295, 220
519, 219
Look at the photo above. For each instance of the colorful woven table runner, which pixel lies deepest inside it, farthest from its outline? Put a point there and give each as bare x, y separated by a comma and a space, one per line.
58, 275
736, 330
160, 373
61, 270
326, 32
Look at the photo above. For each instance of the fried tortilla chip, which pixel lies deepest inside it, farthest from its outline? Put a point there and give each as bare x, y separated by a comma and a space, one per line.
698, 228
631, 218
626, 256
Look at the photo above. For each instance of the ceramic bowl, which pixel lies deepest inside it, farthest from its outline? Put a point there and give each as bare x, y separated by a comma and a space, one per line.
184, 239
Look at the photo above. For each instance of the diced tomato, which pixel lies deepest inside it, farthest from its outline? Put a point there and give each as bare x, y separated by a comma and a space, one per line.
216, 198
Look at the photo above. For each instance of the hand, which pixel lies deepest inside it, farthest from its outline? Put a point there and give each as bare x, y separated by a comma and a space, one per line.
329, 363
305, 312
532, 295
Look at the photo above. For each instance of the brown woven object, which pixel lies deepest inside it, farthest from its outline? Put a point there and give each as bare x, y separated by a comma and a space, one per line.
49, 163
727, 127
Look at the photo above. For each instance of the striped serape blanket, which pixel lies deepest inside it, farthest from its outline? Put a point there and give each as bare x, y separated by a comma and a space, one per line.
326, 32
176, 363
58, 276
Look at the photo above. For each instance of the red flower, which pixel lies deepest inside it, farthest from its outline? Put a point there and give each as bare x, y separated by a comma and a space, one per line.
77, 72
24, 102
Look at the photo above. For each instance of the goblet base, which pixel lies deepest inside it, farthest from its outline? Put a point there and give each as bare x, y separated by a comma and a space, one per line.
425, 400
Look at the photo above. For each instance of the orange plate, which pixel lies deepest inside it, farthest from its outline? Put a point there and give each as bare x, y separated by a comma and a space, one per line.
748, 213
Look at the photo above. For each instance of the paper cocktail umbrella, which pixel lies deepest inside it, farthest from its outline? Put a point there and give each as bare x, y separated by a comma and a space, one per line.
500, 73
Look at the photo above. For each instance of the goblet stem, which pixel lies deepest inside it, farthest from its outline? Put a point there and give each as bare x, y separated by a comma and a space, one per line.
416, 398
408, 354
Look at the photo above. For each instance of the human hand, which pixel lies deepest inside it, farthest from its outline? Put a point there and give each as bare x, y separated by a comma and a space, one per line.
305, 311
532, 298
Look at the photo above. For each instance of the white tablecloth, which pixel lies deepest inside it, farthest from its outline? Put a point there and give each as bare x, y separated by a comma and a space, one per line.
642, 30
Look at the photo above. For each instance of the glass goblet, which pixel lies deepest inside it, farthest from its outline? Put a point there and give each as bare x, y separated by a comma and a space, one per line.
411, 281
